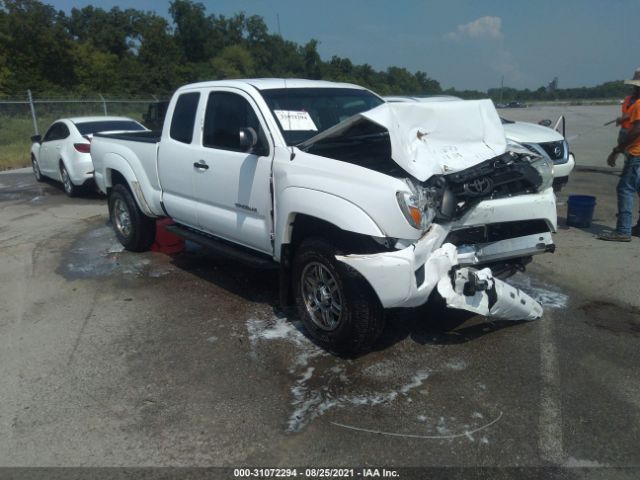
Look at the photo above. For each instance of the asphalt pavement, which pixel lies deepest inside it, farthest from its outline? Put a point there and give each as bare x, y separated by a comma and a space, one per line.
112, 358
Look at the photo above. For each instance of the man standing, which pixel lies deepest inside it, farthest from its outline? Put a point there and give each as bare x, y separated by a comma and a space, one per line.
629, 184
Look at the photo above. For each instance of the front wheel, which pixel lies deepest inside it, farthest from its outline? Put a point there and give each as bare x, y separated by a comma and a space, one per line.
337, 306
135, 231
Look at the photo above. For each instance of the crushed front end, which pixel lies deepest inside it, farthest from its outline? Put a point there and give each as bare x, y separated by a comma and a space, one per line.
492, 217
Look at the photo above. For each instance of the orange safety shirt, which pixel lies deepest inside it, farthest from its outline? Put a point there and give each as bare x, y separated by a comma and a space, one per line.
626, 123
634, 116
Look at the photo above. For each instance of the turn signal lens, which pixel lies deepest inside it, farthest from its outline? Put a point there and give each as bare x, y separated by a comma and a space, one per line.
409, 206
415, 215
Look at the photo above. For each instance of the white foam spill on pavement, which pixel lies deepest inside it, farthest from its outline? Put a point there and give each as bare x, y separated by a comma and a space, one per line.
548, 296
282, 329
311, 401
456, 364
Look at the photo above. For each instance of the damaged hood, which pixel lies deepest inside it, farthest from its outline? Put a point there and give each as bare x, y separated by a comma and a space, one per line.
433, 138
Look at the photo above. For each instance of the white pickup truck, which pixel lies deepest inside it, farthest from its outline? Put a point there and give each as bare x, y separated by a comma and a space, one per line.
361, 204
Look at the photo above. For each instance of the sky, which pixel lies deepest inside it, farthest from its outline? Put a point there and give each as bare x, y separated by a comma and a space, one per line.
461, 43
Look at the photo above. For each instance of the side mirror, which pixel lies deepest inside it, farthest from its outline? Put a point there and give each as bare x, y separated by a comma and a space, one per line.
248, 139
36, 138
545, 123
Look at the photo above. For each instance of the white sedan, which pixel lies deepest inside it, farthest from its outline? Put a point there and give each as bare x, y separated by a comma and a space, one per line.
63, 153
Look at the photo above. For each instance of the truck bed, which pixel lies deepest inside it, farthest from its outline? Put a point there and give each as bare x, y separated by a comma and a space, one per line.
146, 136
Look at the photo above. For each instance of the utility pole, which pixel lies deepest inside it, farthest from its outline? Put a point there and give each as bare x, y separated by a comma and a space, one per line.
501, 88
33, 112
278, 19
104, 104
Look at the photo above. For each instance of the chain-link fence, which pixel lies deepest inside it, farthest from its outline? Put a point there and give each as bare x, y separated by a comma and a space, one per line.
22, 117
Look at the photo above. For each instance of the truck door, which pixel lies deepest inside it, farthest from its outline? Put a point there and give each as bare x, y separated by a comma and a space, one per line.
233, 186
176, 157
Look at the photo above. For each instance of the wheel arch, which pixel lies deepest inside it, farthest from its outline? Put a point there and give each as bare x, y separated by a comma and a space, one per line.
313, 207
305, 226
117, 171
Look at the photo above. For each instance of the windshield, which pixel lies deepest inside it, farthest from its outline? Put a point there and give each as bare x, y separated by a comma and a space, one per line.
89, 128
302, 113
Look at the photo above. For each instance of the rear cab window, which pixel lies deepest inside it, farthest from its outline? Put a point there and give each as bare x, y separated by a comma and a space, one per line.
184, 117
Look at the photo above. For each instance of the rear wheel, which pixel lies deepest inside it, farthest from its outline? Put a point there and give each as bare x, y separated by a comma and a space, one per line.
135, 231
36, 169
337, 306
69, 188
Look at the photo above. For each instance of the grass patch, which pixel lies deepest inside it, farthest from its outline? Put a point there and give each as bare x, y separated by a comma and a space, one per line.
15, 155
15, 141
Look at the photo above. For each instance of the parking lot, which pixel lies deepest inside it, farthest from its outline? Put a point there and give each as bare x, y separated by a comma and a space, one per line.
111, 358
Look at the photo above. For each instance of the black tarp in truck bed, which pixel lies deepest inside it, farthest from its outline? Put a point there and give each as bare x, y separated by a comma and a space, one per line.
146, 136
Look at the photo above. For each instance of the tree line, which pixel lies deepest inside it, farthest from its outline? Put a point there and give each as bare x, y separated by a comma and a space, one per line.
130, 51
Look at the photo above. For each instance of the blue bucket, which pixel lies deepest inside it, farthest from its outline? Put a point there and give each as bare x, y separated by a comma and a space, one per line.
580, 210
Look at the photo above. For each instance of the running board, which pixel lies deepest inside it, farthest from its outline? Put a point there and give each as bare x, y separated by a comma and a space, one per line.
223, 248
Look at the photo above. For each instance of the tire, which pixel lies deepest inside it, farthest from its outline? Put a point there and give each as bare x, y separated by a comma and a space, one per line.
338, 308
36, 169
135, 231
69, 188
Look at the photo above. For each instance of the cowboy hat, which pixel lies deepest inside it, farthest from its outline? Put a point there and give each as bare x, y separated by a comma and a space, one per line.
635, 80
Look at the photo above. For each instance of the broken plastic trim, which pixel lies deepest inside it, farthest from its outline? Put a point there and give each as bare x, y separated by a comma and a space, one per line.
479, 292
398, 282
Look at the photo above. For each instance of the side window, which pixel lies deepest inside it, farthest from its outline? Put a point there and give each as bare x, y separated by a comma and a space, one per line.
53, 133
63, 131
184, 117
226, 114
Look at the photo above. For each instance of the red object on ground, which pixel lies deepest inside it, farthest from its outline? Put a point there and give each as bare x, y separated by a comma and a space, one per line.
166, 242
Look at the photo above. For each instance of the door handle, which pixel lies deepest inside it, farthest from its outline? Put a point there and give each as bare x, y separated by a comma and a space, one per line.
58, 147
201, 165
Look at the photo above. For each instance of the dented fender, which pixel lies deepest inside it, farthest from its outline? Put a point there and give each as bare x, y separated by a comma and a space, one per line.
392, 275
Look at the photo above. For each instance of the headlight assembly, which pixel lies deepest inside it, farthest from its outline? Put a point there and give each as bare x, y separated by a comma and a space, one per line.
542, 163
419, 205
544, 166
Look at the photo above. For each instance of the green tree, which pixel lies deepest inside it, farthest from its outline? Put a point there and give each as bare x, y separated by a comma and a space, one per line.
194, 31
233, 62
106, 31
159, 57
94, 70
311, 60
39, 48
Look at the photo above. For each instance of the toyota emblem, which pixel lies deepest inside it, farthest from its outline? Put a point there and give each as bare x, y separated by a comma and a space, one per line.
557, 151
478, 187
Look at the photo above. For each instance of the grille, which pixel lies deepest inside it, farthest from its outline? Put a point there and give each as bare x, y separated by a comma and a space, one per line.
502, 176
555, 150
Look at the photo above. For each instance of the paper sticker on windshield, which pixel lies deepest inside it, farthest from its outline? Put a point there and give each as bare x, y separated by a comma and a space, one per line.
295, 120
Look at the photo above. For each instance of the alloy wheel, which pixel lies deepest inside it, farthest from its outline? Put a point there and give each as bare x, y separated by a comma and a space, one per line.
122, 218
322, 296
